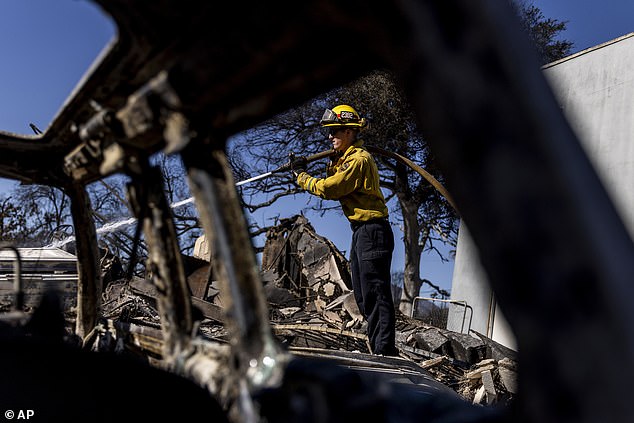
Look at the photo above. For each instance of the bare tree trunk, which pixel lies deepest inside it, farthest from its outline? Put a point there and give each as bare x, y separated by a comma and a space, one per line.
413, 251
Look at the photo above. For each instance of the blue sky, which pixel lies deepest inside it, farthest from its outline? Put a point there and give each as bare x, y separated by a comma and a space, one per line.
590, 22
48, 45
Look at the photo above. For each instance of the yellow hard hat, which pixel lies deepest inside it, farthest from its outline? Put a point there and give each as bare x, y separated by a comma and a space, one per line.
342, 115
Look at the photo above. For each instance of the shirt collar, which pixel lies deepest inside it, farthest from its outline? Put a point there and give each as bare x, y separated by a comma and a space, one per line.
358, 143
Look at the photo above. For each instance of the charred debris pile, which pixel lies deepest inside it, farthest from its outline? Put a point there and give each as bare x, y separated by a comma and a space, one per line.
307, 284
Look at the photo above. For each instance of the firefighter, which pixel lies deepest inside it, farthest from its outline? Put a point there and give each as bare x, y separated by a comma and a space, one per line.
353, 179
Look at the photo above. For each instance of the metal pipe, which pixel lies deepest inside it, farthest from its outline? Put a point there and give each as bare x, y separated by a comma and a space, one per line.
491, 316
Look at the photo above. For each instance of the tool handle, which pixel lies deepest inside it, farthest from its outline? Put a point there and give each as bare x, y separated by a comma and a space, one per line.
306, 159
321, 155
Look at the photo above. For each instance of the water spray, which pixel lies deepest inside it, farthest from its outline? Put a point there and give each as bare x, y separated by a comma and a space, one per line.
294, 161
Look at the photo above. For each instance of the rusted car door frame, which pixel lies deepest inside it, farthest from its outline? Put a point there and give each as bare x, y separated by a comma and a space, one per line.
517, 173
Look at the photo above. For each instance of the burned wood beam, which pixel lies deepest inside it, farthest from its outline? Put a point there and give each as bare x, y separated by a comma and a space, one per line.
208, 310
342, 339
145, 337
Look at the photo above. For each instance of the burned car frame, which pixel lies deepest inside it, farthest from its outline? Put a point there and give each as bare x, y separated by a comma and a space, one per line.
181, 78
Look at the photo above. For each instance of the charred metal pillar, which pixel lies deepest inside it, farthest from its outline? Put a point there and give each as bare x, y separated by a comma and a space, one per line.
557, 255
165, 263
90, 284
211, 181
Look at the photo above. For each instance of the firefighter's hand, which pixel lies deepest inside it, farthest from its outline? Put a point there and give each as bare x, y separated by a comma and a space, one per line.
298, 165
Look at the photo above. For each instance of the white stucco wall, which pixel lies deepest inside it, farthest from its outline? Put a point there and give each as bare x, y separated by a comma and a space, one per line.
595, 89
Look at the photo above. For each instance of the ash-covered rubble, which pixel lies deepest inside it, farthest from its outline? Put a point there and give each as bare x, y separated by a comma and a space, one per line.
311, 307
309, 290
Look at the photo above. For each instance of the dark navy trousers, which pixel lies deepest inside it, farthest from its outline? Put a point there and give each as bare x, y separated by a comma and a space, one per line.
370, 262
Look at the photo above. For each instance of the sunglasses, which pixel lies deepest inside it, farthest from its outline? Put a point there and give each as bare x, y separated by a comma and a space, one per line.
333, 131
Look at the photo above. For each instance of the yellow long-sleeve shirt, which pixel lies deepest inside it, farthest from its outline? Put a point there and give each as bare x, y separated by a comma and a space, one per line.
354, 181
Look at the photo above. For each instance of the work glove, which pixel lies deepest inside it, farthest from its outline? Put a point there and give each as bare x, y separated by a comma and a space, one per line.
298, 164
